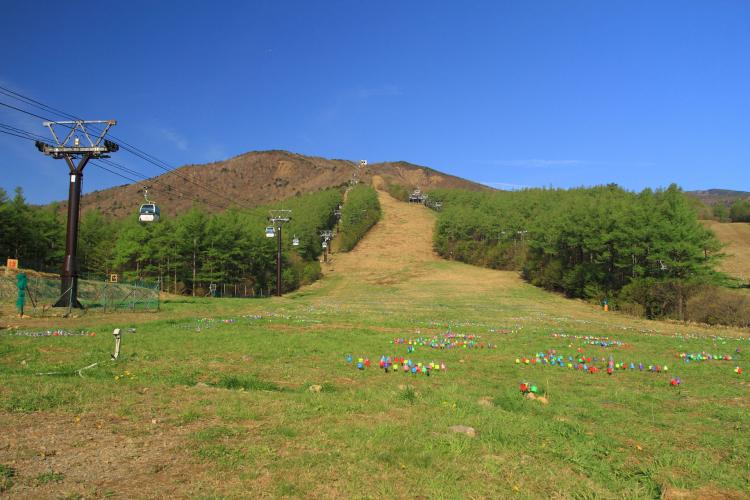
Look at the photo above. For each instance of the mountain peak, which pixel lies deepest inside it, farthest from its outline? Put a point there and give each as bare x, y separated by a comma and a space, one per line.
258, 178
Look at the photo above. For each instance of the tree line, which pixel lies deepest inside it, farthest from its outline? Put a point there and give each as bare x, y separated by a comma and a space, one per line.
643, 252
34, 235
737, 211
183, 253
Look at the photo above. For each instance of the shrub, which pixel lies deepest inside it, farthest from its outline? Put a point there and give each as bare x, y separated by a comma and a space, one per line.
660, 298
310, 273
398, 191
740, 211
718, 306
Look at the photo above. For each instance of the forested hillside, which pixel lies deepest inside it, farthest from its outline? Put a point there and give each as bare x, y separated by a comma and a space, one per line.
646, 252
35, 235
186, 252
722, 205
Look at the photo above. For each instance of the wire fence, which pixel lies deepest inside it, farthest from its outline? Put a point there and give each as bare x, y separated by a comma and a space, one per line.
94, 295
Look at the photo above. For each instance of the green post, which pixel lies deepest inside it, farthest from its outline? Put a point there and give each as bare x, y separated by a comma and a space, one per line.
21, 284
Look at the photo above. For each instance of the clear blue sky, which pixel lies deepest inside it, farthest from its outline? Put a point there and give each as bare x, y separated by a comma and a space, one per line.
508, 93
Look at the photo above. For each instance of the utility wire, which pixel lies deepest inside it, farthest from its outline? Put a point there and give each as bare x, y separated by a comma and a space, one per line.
21, 131
40, 105
27, 134
32, 136
24, 134
99, 165
161, 182
17, 135
123, 144
28, 113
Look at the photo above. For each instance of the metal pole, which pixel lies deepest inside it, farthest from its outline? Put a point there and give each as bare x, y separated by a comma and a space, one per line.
278, 262
69, 278
69, 149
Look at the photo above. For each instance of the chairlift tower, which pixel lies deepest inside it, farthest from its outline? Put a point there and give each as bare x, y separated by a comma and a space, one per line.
77, 147
278, 218
355, 176
327, 236
417, 196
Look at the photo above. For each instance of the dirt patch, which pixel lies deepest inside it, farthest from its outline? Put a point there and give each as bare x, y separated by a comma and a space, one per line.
94, 455
703, 493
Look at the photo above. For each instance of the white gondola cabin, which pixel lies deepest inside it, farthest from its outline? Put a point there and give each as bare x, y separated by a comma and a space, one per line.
270, 233
149, 212
325, 245
295, 241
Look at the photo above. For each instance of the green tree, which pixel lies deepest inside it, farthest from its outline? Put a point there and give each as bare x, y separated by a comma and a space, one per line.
188, 251
721, 212
97, 240
740, 211
585, 242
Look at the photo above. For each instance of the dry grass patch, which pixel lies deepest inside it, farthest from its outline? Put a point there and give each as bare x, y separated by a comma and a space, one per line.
736, 237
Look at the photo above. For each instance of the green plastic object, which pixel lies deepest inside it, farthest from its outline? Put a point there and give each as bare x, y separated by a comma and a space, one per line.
22, 282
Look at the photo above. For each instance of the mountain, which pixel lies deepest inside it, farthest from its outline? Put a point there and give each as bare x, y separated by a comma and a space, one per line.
413, 176
714, 196
258, 178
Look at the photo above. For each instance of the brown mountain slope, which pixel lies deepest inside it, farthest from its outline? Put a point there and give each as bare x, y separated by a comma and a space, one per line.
736, 237
425, 178
714, 196
258, 178
248, 180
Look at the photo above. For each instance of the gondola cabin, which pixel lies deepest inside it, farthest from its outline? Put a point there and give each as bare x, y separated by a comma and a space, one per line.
325, 245
270, 233
149, 212
295, 241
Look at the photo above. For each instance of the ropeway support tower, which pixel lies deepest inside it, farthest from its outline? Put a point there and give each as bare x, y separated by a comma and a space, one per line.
76, 147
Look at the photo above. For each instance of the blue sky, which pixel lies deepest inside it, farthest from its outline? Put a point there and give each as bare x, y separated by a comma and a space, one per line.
508, 93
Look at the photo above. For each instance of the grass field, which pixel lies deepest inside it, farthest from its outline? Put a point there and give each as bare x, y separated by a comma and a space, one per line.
736, 237
201, 407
